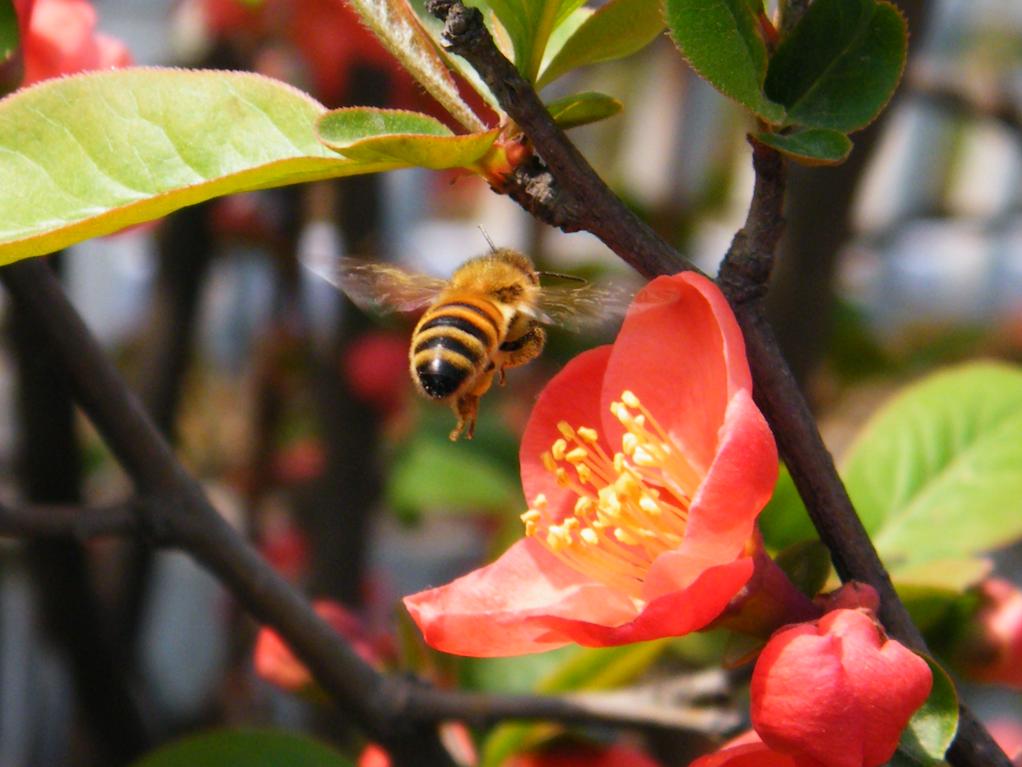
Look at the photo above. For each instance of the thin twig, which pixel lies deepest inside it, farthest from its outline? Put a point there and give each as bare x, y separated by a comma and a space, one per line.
76, 522
743, 279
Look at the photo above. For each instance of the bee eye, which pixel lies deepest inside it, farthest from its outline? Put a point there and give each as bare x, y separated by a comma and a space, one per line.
509, 294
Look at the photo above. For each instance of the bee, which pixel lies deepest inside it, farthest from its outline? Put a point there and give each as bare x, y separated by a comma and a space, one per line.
488, 317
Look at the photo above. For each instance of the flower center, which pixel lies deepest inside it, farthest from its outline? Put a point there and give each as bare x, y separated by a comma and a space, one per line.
631, 507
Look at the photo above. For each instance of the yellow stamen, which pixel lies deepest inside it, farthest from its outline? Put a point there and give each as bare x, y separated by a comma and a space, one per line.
632, 505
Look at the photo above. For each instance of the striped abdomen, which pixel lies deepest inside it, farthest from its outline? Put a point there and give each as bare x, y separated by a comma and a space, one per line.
454, 340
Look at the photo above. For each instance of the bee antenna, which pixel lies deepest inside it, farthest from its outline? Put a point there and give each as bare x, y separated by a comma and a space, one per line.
562, 276
493, 248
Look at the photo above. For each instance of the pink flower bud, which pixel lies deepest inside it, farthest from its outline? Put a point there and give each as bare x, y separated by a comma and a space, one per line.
275, 662
993, 652
749, 751
837, 691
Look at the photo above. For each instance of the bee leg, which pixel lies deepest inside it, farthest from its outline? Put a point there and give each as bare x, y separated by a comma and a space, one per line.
466, 407
501, 377
523, 349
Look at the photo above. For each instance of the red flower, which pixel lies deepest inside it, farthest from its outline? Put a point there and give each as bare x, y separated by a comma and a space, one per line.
376, 366
992, 652
646, 464
749, 751
836, 691
275, 662
58, 37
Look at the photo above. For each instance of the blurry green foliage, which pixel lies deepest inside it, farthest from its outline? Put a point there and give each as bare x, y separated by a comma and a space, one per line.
244, 748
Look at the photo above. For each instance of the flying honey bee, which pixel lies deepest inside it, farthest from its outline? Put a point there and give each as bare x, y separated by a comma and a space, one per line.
486, 318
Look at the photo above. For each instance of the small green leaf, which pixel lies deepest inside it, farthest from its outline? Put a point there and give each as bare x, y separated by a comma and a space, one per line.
812, 146
430, 476
785, 521
582, 109
840, 65
244, 748
933, 726
529, 24
617, 29
8, 30
721, 40
807, 565
86, 155
935, 473
582, 669
369, 134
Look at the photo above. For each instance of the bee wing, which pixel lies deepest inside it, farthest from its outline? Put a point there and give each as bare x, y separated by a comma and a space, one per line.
584, 306
380, 288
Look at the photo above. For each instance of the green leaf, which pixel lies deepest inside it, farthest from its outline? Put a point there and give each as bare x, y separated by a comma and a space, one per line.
785, 521
90, 154
807, 565
721, 40
244, 748
369, 134
840, 65
935, 473
812, 146
397, 26
8, 30
585, 669
617, 29
582, 109
933, 726
529, 24
431, 476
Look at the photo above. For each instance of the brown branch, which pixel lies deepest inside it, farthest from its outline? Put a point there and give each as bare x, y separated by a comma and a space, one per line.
593, 207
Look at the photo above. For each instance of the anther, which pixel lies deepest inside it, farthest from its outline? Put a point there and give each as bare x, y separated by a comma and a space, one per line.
564, 428
643, 457
562, 477
589, 535
583, 504
549, 463
619, 462
585, 474
648, 505
558, 449
629, 398
539, 502
588, 435
532, 515
629, 442
625, 537
577, 455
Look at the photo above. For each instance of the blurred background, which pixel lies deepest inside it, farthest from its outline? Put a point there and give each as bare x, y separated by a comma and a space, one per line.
296, 411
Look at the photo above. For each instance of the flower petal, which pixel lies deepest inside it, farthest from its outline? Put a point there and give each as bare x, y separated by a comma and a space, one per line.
738, 485
681, 351
573, 395
505, 608
673, 614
